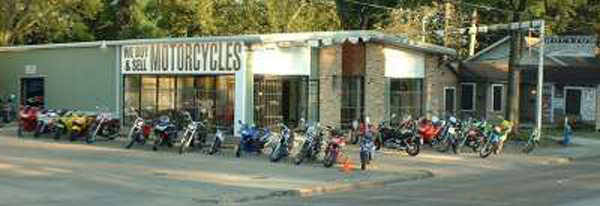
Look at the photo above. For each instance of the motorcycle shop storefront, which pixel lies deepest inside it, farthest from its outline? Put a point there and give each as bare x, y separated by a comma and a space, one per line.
281, 84
165, 79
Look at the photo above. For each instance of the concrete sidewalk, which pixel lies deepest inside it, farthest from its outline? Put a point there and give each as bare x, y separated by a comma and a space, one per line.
580, 148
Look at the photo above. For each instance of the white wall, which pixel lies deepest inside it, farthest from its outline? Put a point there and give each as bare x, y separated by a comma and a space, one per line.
401, 63
281, 61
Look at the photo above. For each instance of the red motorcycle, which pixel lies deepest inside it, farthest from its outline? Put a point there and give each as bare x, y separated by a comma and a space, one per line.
334, 147
27, 120
429, 130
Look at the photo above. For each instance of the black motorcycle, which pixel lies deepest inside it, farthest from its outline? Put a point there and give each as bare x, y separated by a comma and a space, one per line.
403, 137
282, 148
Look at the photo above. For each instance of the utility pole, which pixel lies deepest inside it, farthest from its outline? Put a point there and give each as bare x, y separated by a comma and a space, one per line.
540, 86
514, 72
473, 34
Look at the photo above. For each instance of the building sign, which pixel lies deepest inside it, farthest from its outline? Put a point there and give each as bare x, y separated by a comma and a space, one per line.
570, 46
183, 58
30, 69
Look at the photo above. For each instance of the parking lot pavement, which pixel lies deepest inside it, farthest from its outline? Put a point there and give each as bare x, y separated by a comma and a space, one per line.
44, 171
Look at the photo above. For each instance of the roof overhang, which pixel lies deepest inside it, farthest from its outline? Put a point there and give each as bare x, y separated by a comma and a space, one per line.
314, 39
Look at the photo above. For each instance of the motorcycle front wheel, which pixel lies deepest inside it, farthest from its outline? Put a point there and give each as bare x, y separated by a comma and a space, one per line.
530, 146
486, 150
364, 160
413, 148
301, 155
330, 159
90, 138
184, 143
354, 137
214, 148
238, 151
277, 153
38, 130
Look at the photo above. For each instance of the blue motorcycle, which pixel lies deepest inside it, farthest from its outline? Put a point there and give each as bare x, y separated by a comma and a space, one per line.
251, 141
367, 150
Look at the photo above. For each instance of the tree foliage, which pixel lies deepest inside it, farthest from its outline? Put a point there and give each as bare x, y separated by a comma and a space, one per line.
36, 21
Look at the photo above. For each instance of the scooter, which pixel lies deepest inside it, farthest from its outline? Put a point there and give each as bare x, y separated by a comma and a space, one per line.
165, 132
140, 131
282, 149
104, 125
27, 120
194, 135
334, 148
251, 141
311, 146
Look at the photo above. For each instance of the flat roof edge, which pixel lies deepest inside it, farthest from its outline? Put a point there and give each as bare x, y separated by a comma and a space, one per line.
371, 35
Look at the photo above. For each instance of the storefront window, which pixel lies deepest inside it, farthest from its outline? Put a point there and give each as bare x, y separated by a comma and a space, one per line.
132, 94
166, 94
224, 100
149, 93
406, 97
209, 98
352, 100
280, 99
185, 95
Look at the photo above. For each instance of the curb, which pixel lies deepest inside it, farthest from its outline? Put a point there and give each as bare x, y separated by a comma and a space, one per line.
339, 187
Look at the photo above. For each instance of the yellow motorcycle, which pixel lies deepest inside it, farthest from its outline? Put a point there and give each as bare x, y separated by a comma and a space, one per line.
63, 125
80, 124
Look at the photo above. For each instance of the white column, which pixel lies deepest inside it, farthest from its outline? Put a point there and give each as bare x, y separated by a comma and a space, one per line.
244, 93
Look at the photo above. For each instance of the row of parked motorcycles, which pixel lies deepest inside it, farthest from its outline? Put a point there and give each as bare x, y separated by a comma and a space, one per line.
75, 124
254, 141
450, 134
407, 135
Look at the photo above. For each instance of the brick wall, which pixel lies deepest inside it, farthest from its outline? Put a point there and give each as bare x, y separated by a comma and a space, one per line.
375, 81
330, 77
436, 79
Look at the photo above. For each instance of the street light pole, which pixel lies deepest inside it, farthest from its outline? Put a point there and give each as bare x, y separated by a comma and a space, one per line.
540, 86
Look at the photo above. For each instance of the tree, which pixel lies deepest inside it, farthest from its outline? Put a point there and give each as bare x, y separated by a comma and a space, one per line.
69, 22
18, 18
124, 19
362, 15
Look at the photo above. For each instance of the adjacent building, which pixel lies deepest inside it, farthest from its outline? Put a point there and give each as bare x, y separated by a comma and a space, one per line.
571, 80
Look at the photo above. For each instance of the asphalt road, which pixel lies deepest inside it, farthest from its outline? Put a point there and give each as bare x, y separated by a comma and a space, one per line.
574, 184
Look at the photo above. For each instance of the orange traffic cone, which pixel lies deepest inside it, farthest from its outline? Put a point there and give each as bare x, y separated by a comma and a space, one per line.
346, 166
